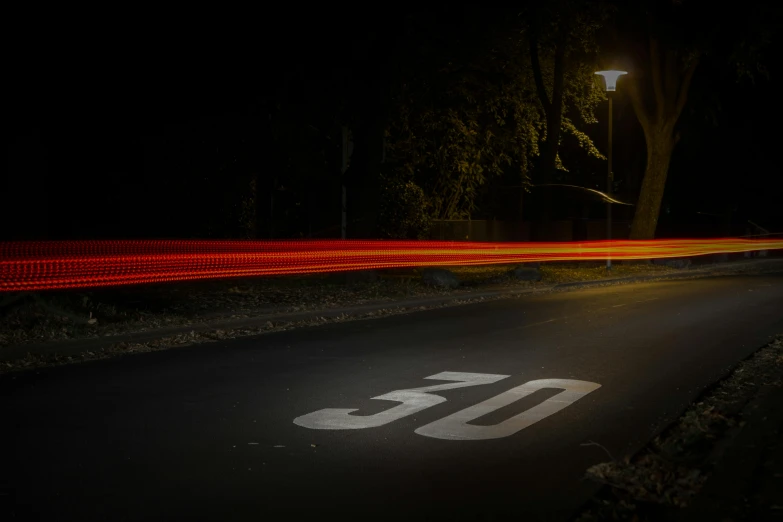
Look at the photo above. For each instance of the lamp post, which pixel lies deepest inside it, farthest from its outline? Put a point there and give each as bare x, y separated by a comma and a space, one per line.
610, 80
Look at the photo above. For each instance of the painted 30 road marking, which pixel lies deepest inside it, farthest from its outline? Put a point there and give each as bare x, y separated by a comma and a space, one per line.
455, 426
413, 400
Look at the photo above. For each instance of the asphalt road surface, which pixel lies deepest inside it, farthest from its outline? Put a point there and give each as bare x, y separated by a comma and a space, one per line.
209, 432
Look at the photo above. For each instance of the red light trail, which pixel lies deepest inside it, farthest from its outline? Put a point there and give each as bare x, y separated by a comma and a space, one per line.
51, 265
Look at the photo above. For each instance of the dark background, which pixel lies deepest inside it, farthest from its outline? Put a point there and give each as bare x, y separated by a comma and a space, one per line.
145, 125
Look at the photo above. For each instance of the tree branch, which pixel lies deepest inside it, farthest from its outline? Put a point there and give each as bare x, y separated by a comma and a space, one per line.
637, 102
559, 79
536, 64
671, 72
655, 68
685, 86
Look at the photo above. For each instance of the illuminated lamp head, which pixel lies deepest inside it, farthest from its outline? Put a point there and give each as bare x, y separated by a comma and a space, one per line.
610, 77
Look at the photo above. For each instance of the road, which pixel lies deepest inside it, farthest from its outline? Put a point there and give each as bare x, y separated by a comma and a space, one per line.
209, 432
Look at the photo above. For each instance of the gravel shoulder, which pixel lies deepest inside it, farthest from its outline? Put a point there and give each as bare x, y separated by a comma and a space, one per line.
64, 327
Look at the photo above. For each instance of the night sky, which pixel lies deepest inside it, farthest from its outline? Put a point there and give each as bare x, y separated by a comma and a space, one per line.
121, 128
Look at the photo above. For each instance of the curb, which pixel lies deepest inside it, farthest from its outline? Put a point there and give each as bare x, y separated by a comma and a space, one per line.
711, 271
92, 344
737, 469
637, 279
727, 451
75, 346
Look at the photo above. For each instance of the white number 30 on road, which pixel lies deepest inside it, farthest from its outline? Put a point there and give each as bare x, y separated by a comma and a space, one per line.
455, 426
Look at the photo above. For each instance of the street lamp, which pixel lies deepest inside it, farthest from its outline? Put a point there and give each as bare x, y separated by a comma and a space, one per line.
610, 81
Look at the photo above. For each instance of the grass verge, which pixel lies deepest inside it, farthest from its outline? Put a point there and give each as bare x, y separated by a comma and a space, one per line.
674, 467
105, 312
180, 314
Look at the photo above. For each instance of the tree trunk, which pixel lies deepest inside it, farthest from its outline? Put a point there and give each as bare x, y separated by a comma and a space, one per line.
545, 199
671, 79
660, 144
553, 108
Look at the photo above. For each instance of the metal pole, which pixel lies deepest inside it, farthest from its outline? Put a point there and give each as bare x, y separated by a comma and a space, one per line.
272, 209
609, 186
344, 201
344, 220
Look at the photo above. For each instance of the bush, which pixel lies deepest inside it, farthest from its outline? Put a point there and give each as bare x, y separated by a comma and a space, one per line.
404, 212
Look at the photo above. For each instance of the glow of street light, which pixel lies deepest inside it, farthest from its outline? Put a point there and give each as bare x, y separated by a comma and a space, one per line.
610, 77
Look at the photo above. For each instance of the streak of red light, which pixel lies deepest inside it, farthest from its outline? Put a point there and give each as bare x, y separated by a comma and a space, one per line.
49, 265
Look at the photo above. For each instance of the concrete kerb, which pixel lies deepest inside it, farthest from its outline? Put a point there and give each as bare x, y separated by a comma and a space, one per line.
76, 346
92, 344
635, 279
712, 270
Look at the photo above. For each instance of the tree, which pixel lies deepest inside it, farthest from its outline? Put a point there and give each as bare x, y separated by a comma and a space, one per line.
461, 115
373, 47
678, 35
563, 32
470, 112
